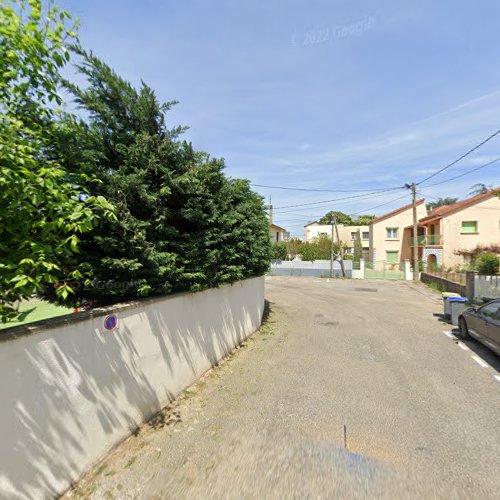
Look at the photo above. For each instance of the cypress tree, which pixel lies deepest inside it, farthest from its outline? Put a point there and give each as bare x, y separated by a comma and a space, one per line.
182, 225
358, 248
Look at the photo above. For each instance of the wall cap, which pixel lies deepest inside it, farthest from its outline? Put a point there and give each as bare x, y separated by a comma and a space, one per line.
14, 332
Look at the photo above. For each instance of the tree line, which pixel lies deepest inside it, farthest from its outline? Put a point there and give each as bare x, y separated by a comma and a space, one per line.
109, 202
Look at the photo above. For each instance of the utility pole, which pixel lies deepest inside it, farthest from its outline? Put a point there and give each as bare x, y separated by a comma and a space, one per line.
415, 231
341, 250
331, 253
270, 211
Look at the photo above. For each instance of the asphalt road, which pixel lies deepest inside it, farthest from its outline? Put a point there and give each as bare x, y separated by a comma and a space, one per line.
421, 410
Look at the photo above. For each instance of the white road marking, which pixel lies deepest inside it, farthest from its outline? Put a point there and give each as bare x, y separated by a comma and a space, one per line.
479, 361
449, 334
463, 346
497, 377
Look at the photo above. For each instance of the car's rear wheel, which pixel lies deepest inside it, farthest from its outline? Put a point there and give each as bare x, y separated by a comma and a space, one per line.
462, 326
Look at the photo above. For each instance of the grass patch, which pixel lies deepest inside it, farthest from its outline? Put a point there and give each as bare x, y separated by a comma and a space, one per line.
130, 462
437, 287
36, 310
100, 469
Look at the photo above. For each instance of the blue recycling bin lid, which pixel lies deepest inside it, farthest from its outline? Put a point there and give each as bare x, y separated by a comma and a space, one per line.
457, 299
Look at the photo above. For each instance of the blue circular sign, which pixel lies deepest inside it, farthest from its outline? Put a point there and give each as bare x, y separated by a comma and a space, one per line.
110, 322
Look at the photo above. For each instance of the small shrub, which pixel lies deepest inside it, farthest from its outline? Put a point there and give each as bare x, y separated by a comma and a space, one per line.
279, 251
349, 257
308, 252
488, 263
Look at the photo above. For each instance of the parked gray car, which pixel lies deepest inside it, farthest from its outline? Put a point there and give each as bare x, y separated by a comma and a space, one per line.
482, 323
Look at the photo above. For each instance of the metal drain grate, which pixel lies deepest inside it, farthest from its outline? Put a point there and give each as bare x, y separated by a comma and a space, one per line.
366, 290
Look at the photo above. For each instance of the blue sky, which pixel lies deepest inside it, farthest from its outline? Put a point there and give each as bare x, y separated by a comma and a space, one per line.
338, 95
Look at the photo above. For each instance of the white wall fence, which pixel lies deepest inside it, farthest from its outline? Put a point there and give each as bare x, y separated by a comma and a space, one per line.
73, 387
355, 270
486, 286
318, 268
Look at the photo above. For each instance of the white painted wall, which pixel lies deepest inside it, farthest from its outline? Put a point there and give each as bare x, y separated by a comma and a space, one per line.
380, 244
70, 392
487, 215
486, 286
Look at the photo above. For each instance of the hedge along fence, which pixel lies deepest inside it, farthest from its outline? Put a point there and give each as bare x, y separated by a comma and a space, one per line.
75, 386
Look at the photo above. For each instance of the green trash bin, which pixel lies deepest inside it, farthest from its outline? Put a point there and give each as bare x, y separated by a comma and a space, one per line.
446, 304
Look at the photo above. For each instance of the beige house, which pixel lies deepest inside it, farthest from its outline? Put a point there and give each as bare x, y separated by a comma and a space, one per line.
277, 233
389, 240
462, 226
347, 234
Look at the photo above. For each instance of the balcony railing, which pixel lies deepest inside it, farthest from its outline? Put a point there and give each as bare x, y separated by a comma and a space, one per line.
427, 240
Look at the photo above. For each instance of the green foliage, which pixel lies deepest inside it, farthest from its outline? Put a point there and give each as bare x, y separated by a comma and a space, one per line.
308, 252
320, 248
363, 220
348, 257
42, 208
488, 264
441, 202
293, 246
279, 251
182, 225
479, 188
358, 247
345, 219
323, 246
340, 217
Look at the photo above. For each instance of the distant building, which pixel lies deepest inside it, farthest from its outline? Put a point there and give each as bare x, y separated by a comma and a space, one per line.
461, 226
389, 242
347, 234
278, 233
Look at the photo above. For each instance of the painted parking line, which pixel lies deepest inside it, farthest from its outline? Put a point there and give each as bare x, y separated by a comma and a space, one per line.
476, 358
479, 361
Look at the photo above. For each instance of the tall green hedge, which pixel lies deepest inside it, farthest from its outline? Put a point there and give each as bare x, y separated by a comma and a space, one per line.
181, 223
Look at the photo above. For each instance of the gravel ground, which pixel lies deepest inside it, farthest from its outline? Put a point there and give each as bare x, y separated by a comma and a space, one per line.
422, 419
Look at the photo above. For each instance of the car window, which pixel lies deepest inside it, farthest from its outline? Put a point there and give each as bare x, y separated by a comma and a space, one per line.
490, 310
496, 317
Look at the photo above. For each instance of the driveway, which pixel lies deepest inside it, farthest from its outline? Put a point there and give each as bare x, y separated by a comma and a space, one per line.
351, 389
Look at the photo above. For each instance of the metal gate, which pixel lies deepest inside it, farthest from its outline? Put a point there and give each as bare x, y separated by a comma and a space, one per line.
384, 270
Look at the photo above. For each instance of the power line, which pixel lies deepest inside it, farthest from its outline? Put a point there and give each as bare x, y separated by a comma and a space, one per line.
365, 211
465, 173
475, 208
325, 190
460, 158
381, 205
367, 195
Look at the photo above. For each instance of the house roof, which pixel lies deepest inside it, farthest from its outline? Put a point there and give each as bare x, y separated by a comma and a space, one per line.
311, 223
394, 212
277, 227
445, 210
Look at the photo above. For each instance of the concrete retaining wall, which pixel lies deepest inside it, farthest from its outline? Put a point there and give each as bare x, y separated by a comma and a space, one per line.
446, 285
71, 389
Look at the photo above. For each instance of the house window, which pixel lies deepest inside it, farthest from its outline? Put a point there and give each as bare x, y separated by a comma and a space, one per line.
392, 233
392, 256
366, 235
354, 235
469, 226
